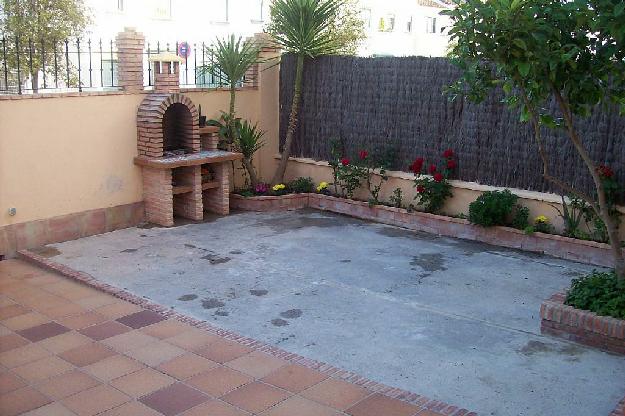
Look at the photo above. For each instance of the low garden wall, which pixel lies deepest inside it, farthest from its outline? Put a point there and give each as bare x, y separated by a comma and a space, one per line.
581, 326
553, 245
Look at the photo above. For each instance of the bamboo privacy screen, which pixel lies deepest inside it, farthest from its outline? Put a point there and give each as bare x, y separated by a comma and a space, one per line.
382, 103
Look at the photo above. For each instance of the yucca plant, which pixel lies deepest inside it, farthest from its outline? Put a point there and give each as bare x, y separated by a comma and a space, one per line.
248, 140
302, 28
231, 58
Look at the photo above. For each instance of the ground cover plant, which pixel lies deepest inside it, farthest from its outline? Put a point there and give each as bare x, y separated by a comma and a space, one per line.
599, 292
498, 208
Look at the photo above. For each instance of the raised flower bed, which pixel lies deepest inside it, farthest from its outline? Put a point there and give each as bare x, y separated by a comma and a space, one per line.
553, 245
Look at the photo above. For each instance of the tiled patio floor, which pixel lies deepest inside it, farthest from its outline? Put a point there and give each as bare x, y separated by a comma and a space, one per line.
68, 349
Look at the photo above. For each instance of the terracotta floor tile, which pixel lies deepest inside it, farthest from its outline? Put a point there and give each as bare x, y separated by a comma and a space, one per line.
223, 350
219, 381
43, 331
255, 397
64, 342
132, 409
142, 382
95, 400
8, 342
27, 320
82, 320
64, 310
97, 301
43, 369
193, 339
215, 407
70, 290
21, 401
186, 365
113, 367
425, 412
174, 399
104, 330
295, 378
5, 301
378, 404
44, 302
67, 384
140, 319
10, 311
5, 331
166, 329
10, 382
52, 409
155, 353
117, 309
86, 354
336, 393
45, 279
256, 364
129, 341
301, 407
22, 355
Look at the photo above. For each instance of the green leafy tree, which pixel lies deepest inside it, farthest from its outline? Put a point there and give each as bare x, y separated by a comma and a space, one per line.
537, 50
349, 27
231, 58
303, 28
35, 31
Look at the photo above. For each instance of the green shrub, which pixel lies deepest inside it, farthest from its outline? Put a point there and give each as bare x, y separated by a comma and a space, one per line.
598, 292
494, 208
302, 185
521, 218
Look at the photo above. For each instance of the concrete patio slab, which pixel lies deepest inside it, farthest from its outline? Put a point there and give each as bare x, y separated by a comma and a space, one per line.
456, 321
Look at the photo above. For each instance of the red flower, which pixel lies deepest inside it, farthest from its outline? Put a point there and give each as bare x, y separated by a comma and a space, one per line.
345, 161
438, 177
451, 164
363, 154
605, 171
417, 165
432, 169
448, 153
420, 189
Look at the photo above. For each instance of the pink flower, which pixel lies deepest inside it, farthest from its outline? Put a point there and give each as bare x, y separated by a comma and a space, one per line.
448, 153
438, 177
451, 164
432, 169
420, 189
345, 161
417, 165
363, 154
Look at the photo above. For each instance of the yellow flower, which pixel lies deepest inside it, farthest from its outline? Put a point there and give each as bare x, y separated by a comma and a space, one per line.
279, 187
541, 219
322, 186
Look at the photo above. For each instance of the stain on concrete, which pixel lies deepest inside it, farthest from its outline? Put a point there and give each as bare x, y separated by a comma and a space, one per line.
186, 298
215, 259
346, 261
237, 252
47, 251
536, 347
143, 235
291, 314
258, 292
396, 232
222, 313
283, 224
190, 246
129, 250
279, 322
212, 303
429, 262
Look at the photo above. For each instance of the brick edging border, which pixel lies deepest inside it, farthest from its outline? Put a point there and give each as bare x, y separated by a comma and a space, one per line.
584, 327
550, 244
395, 393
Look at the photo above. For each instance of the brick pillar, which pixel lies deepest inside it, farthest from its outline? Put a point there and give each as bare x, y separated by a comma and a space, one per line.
167, 76
130, 59
189, 204
217, 200
158, 196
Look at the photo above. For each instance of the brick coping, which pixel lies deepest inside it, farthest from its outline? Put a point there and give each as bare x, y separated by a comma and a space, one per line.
586, 327
423, 402
551, 244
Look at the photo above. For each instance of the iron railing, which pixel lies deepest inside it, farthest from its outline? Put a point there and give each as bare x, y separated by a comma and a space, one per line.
28, 66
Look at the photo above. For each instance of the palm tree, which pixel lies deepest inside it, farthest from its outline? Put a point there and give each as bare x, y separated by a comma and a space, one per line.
232, 58
303, 28
248, 141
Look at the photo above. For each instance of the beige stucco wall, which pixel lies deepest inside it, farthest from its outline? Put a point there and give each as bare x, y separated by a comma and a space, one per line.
67, 154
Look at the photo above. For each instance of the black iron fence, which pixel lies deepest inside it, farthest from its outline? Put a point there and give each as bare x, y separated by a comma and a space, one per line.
38, 66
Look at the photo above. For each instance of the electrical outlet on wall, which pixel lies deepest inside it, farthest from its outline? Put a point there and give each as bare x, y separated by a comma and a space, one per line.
12, 211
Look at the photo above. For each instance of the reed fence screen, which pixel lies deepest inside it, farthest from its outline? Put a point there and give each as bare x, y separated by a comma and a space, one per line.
398, 103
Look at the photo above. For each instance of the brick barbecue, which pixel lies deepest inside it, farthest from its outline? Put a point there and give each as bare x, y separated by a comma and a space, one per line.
184, 173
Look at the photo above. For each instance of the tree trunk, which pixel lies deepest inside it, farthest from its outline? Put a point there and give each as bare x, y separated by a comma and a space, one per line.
34, 80
249, 166
233, 90
278, 177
